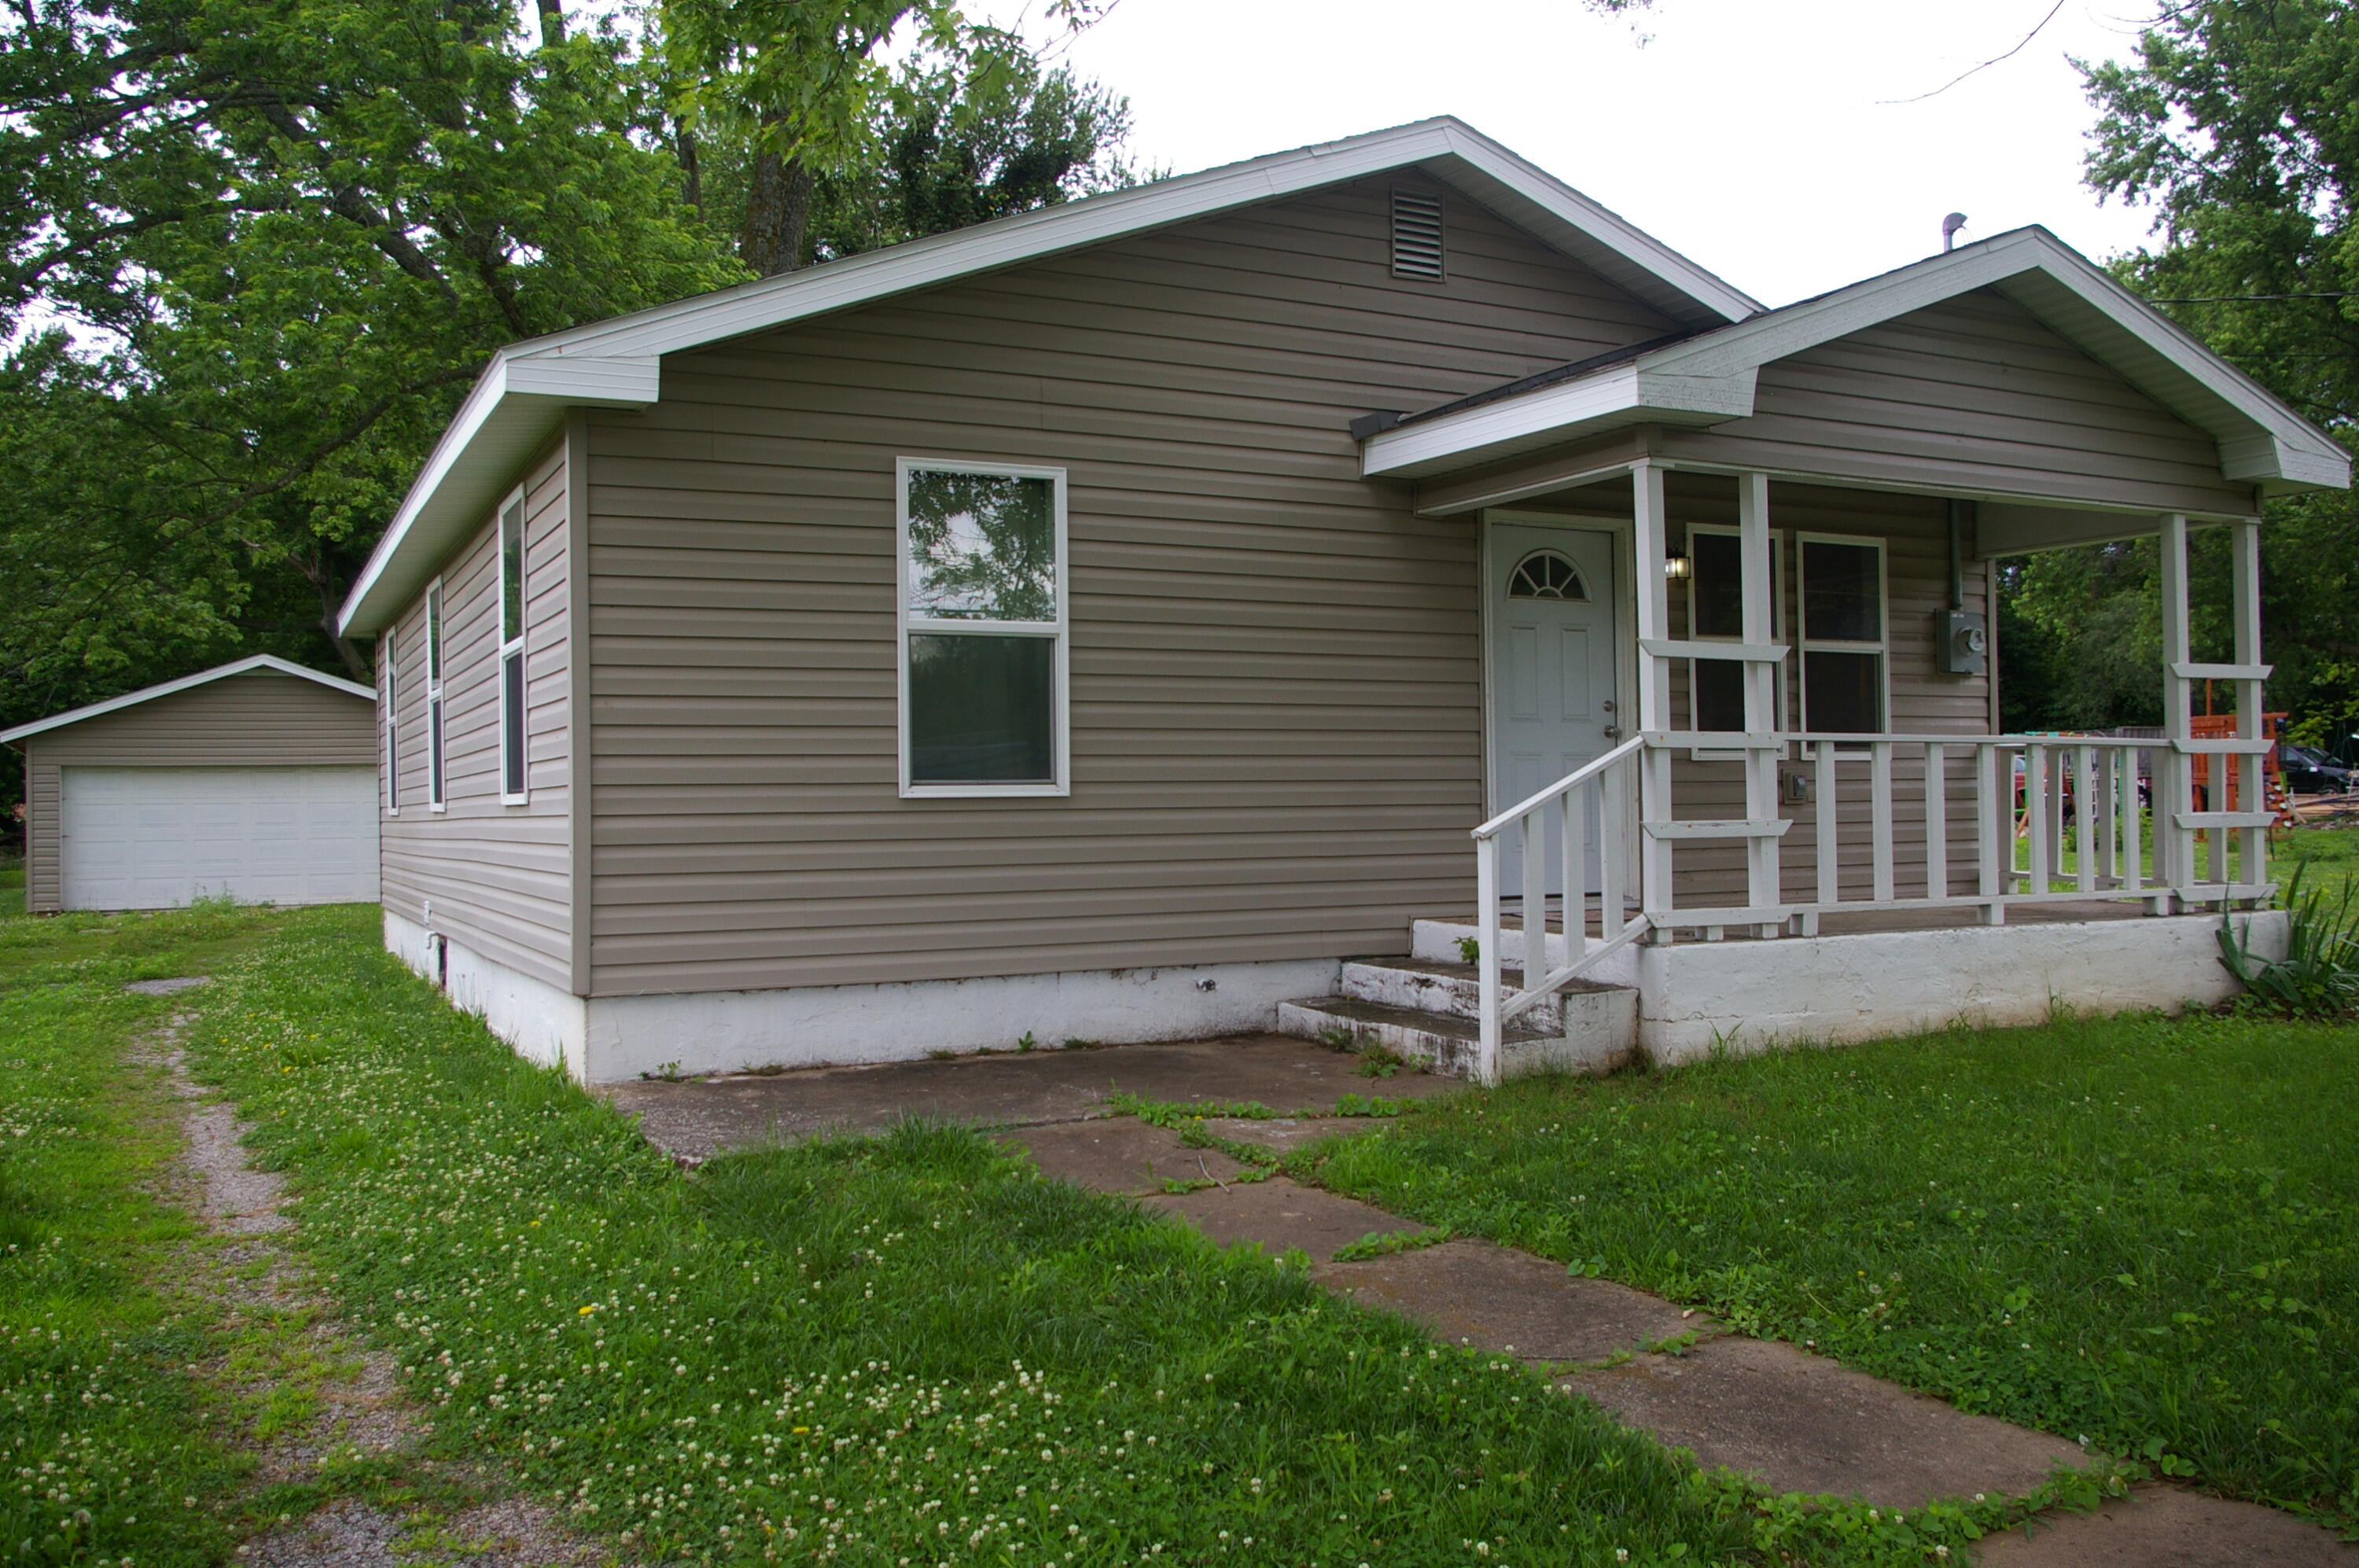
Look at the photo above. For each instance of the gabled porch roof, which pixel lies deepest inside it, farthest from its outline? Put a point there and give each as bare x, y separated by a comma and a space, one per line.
1708, 377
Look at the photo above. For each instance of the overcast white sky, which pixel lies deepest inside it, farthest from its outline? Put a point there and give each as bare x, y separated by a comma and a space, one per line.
1747, 134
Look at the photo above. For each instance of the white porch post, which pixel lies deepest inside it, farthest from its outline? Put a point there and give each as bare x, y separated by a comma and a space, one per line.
2252, 794
1651, 531
2174, 792
1760, 692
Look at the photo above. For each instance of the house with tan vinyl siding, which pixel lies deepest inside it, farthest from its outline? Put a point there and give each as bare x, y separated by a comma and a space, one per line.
1370, 591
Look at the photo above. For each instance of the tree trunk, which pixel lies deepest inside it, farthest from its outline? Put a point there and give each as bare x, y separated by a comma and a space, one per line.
552, 22
777, 215
692, 178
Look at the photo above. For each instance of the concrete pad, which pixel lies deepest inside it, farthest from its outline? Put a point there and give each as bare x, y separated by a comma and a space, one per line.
1283, 1134
1802, 1423
2168, 1527
1491, 1297
1280, 1215
698, 1118
1118, 1155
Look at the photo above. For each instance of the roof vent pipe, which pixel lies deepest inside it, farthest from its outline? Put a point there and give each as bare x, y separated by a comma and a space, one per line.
1950, 227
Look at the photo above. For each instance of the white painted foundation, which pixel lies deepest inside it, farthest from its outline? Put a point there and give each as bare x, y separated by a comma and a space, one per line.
1748, 996
606, 1039
545, 1025
726, 1032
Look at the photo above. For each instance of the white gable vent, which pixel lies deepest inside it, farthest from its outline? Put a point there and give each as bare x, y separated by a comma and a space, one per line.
1417, 234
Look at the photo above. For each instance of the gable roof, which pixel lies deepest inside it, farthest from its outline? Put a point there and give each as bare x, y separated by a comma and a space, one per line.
1708, 377
522, 395
264, 662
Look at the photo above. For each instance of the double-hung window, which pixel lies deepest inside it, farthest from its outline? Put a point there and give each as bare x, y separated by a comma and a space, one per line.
982, 629
389, 683
1716, 614
436, 796
512, 714
1844, 634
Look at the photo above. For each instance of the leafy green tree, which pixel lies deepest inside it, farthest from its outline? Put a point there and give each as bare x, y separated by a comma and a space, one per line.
2235, 122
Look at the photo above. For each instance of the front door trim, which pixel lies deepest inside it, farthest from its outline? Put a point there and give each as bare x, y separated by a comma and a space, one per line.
1622, 532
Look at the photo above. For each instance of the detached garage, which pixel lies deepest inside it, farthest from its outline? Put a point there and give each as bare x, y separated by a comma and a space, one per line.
254, 781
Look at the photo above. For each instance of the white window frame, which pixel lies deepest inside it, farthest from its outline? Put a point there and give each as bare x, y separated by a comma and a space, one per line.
1806, 645
389, 683
438, 774
1059, 630
512, 722
1781, 703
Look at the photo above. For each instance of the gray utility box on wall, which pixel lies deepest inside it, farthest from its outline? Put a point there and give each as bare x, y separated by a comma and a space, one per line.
1965, 643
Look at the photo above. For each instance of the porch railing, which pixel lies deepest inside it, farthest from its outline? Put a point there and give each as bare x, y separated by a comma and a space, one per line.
2055, 818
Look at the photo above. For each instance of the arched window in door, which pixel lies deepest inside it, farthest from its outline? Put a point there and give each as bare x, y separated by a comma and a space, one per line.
1545, 575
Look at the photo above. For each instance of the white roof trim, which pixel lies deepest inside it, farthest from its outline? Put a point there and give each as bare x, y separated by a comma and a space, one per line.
2261, 441
260, 661
521, 396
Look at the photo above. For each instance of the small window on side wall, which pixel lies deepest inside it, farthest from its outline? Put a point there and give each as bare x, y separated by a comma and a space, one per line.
982, 629
437, 780
512, 611
1843, 623
390, 684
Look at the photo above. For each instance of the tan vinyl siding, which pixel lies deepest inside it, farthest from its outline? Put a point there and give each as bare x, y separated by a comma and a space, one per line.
257, 720
1276, 707
497, 875
1971, 395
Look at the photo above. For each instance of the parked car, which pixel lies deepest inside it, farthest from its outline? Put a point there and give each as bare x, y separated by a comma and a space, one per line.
2310, 771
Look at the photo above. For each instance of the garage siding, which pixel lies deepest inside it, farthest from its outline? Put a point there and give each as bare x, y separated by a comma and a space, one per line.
495, 874
256, 720
1277, 718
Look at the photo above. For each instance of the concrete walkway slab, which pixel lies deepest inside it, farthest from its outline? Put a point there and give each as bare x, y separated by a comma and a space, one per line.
2169, 1526
1280, 1215
1119, 1155
696, 1118
1494, 1298
1802, 1423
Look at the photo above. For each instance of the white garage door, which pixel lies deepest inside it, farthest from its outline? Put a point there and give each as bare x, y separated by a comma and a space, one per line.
151, 838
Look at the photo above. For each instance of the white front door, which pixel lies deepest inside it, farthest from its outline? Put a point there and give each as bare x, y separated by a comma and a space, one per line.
1551, 690
155, 838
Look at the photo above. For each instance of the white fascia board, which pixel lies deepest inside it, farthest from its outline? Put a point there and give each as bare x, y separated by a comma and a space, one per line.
2262, 439
1618, 394
1627, 255
516, 405
260, 661
1435, 144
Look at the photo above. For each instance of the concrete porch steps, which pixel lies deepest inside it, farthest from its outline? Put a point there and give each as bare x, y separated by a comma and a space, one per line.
1427, 1010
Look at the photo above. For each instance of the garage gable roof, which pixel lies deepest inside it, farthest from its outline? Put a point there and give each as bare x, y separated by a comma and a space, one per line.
1708, 377
269, 663
519, 399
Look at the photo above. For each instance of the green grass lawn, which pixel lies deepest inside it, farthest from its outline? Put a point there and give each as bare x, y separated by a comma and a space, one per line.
12, 887
912, 1349
2141, 1232
112, 1449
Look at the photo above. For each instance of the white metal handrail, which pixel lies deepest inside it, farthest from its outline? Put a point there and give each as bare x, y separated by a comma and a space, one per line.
1612, 779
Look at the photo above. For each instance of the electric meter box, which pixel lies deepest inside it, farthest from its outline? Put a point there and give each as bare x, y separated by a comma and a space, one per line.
1965, 643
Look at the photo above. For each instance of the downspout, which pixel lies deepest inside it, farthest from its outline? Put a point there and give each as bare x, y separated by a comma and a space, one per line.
1957, 554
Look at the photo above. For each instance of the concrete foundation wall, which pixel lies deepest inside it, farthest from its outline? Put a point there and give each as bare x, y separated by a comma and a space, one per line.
1749, 996
544, 1024
837, 1025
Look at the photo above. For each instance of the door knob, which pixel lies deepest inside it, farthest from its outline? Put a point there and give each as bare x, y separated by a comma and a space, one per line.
1614, 732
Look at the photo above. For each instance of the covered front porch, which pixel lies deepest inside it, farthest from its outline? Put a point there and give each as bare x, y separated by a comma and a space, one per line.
1781, 800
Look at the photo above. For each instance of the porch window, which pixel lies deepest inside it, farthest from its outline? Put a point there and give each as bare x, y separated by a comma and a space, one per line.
1843, 633
984, 628
512, 713
1716, 614
435, 797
